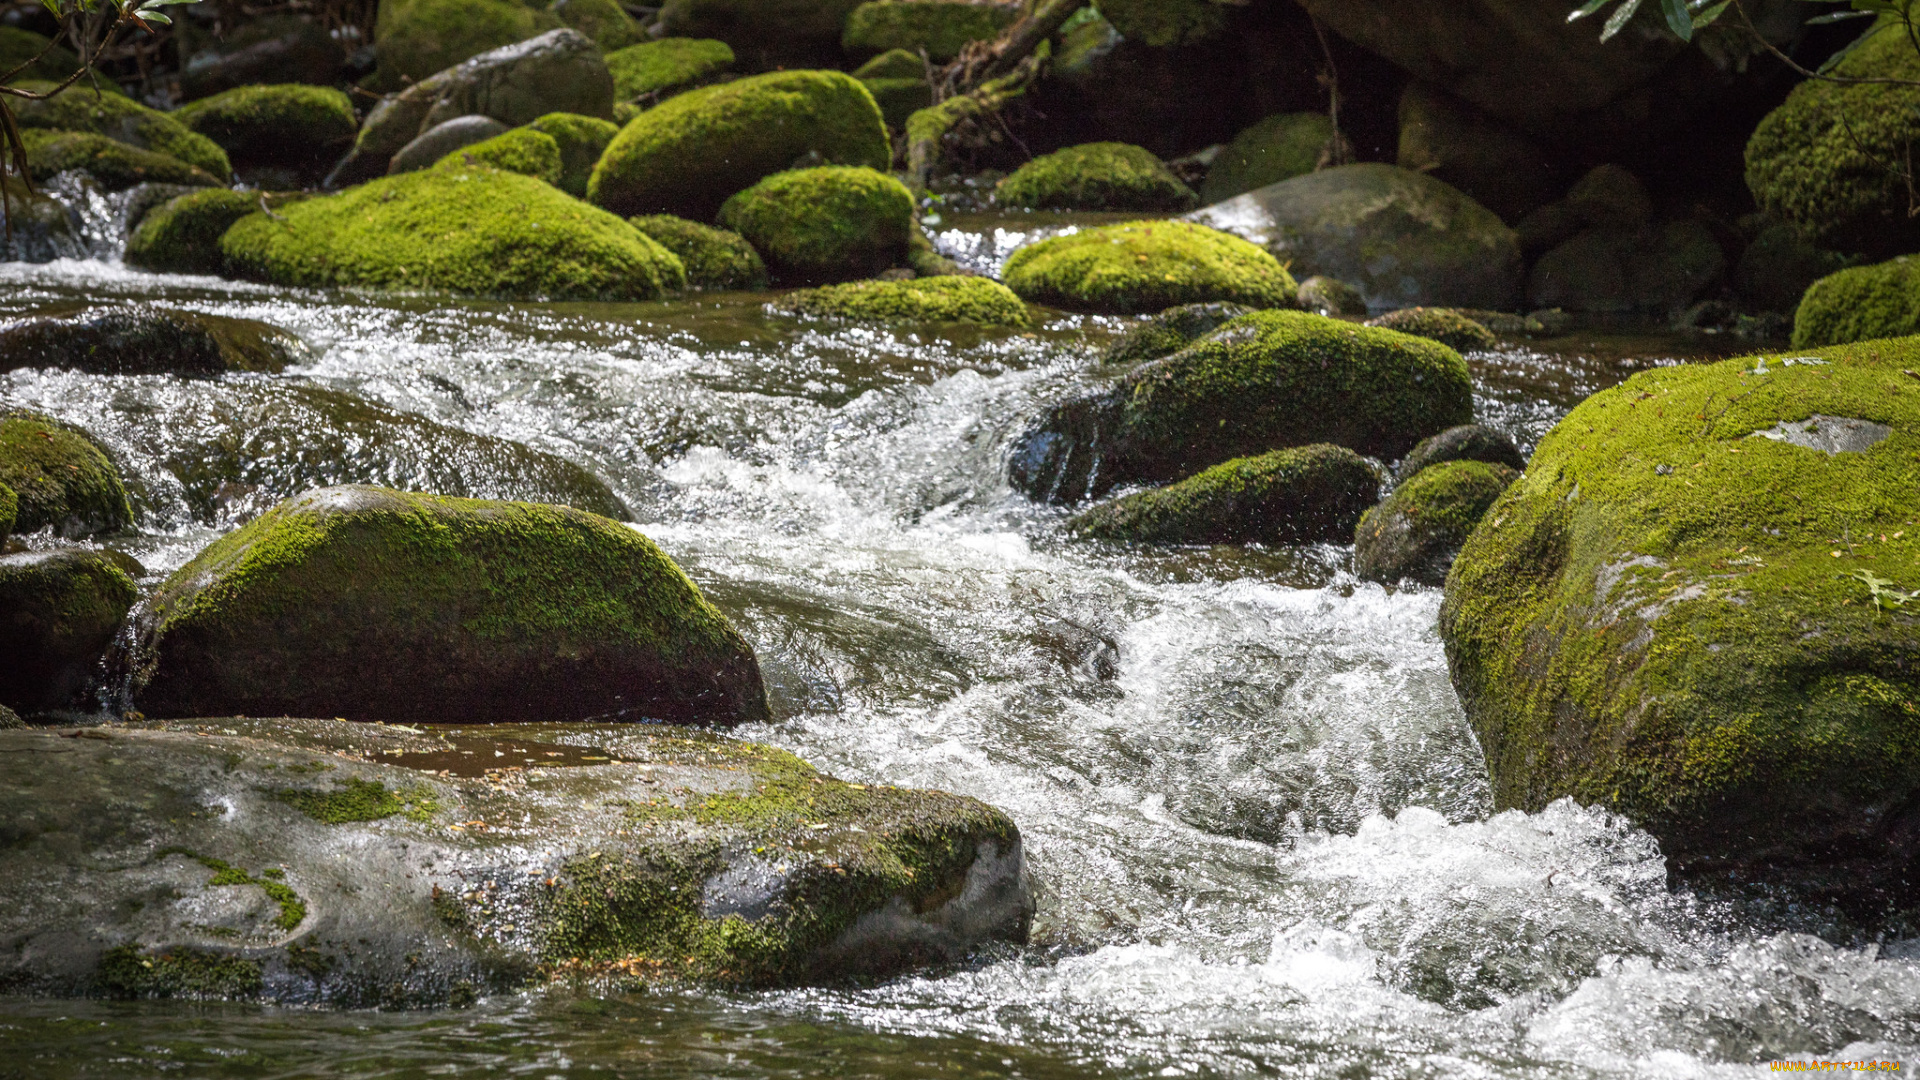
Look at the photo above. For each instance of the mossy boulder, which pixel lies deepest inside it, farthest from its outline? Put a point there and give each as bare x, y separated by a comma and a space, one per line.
18, 47
941, 27
1170, 331
1096, 176
1277, 148
9, 510
371, 604
1444, 325
949, 299
63, 480
148, 341
477, 231
1323, 295
1306, 495
59, 610
286, 46
521, 150
1780, 264
582, 139
660, 69
767, 34
1685, 612
1860, 304
1147, 266
1658, 270
124, 120
182, 235
899, 99
715, 258
1165, 23
289, 127
605, 21
825, 224
696, 150
1415, 533
419, 38
113, 165
1467, 442
893, 64
1273, 379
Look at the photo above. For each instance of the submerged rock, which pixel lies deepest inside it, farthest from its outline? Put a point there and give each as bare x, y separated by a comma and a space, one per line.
666, 67
1312, 494
1095, 176
714, 258
59, 610
371, 604
1170, 331
113, 165
940, 27
1468, 442
946, 299
826, 224
1415, 533
286, 130
147, 341
1147, 266
1860, 304
123, 120
182, 235
652, 857
1277, 148
1447, 326
581, 139
62, 479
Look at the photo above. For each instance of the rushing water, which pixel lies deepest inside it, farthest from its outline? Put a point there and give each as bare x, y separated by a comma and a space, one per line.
1260, 829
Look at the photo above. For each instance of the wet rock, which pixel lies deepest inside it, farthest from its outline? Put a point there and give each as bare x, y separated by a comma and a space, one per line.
371, 604
1095, 176
950, 299
10, 720
1491, 163
59, 610
1172, 330
437, 142
1659, 270
1416, 532
113, 165
660, 69
940, 27
183, 235
767, 34
42, 228
1860, 304
1443, 249
1610, 197
1468, 442
826, 224
605, 21
147, 341
144, 199
1277, 148
715, 258
1665, 616
1267, 380
581, 139
1313, 494
1147, 266
693, 152
275, 132
63, 480
521, 150
123, 120
417, 39
1447, 326
267, 49
1330, 296
1780, 264
18, 47
656, 857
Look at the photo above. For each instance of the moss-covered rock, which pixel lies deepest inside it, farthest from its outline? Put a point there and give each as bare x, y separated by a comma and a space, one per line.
1780, 264
372, 604
419, 38
582, 139
433, 145
1277, 148
1330, 296
1467, 442
1266, 380
1165, 23
1170, 331
893, 64
113, 165
147, 341
59, 610
1444, 325
122, 119
941, 27
1310, 494
605, 21
949, 299
521, 150
9, 510
18, 47
694, 151
660, 69
714, 258
767, 34
826, 224
63, 480
1096, 176
1415, 533
290, 126
41, 227
1147, 266
478, 231
899, 99
182, 235
1860, 304
1658, 270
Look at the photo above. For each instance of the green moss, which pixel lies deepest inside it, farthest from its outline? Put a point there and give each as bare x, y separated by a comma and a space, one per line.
477, 231
714, 258
1416, 531
127, 972
923, 300
59, 611
605, 21
289, 124
293, 910
582, 139
1660, 616
1312, 494
1860, 304
826, 224
522, 150
1165, 23
123, 120
1277, 148
9, 510
1172, 330
1467, 442
666, 67
1147, 266
183, 235
1444, 325
114, 166
893, 64
899, 99
690, 154
19, 47
1096, 176
61, 478
363, 800
418, 38
941, 27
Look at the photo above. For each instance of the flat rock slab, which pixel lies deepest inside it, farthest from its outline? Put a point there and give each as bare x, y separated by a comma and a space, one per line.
349, 864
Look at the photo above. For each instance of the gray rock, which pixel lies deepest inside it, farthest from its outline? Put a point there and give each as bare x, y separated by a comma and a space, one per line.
443, 139
1402, 239
273, 49
147, 340
59, 610
43, 229
1659, 270
144, 199
1494, 165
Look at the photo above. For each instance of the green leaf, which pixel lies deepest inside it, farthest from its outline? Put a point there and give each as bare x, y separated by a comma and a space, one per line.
1821, 20
1679, 19
151, 16
1587, 9
1706, 18
1618, 20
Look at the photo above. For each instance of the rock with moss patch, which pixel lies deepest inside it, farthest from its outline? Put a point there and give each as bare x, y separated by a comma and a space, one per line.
113, 165
1467, 442
767, 34
1273, 379
1416, 532
693, 152
1096, 176
521, 150
42, 228
1277, 148
144, 340
659, 69
826, 224
1170, 331
1147, 266
9, 510
1444, 325
1860, 304
951, 299
36, 54
1310, 494
581, 139
1659, 270
715, 258
941, 27
433, 145
1323, 295
605, 21
285, 134
182, 235
123, 120
59, 610
371, 604
1166, 23
477, 231
420, 38
63, 480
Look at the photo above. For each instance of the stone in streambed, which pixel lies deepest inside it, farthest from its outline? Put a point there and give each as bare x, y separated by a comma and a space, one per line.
940, 27
182, 235
435, 143
946, 299
1860, 304
1312, 494
714, 258
113, 165
123, 120
605, 21
1095, 176
1468, 442
63, 480
419, 38
1277, 148
1147, 266
1415, 533
827, 224
581, 139
147, 341
1330, 297
288, 129
522, 150
43, 228
666, 67
1447, 326
1170, 331
59, 610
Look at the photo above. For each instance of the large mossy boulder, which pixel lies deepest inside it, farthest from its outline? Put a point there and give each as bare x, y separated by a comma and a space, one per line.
695, 151
123, 120
1279, 147
1415, 533
946, 299
147, 341
59, 610
476, 231
767, 34
113, 165
941, 27
1306, 495
1270, 380
62, 479
521, 150
182, 235
1691, 610
282, 129
1170, 331
39, 57
715, 259
827, 224
1401, 238
581, 139
1860, 304
1095, 176
660, 69
1147, 266
419, 38
371, 604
